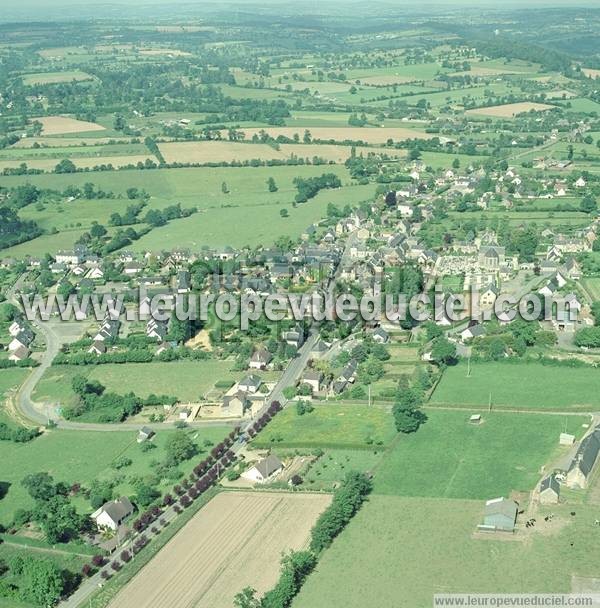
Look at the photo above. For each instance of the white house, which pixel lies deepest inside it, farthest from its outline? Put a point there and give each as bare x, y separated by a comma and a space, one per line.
112, 514
264, 470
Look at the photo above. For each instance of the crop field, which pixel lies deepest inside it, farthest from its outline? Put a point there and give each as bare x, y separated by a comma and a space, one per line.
450, 458
83, 456
57, 125
330, 424
593, 287
235, 541
370, 135
520, 386
49, 164
55, 77
430, 543
187, 380
222, 151
509, 110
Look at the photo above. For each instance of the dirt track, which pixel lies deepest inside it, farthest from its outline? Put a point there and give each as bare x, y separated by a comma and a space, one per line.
234, 542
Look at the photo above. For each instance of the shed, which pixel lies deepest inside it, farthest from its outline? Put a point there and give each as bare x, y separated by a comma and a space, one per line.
549, 491
500, 514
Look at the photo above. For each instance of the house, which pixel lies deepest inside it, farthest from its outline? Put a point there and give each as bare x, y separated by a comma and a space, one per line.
264, 470
183, 282
549, 490
475, 330
250, 384
112, 514
19, 354
144, 434
132, 268
380, 336
294, 337
234, 404
488, 297
260, 358
313, 378
583, 462
97, 348
319, 350
500, 515
23, 339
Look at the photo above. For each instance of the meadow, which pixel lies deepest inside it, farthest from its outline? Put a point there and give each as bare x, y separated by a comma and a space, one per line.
519, 386
83, 456
186, 380
448, 457
55, 77
429, 545
328, 425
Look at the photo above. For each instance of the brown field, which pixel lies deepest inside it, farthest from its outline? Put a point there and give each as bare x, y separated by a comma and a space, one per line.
235, 541
510, 109
368, 135
590, 73
226, 151
56, 125
66, 142
386, 80
48, 164
174, 52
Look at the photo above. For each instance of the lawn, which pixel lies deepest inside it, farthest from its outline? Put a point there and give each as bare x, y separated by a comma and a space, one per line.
421, 547
449, 457
333, 466
519, 386
330, 425
55, 77
82, 456
187, 380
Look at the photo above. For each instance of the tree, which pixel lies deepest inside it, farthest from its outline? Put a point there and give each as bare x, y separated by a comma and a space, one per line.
179, 447
41, 580
97, 231
407, 417
588, 205
224, 188
146, 494
272, 185
284, 213
443, 351
40, 486
65, 166
119, 123
246, 599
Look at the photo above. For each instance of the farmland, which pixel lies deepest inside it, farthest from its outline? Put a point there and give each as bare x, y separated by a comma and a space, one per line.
530, 386
58, 125
510, 110
430, 541
338, 425
82, 457
234, 541
451, 458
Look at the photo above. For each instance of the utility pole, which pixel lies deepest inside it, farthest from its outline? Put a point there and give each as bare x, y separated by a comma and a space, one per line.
490, 403
469, 366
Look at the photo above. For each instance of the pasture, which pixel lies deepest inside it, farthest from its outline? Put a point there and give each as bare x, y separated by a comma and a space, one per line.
55, 77
592, 286
186, 380
235, 541
83, 456
525, 386
450, 458
370, 135
430, 543
330, 424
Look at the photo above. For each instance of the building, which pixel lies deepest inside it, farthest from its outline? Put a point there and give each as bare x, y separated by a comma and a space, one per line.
260, 358
19, 354
549, 491
583, 462
144, 434
234, 404
250, 384
313, 378
500, 515
112, 514
264, 470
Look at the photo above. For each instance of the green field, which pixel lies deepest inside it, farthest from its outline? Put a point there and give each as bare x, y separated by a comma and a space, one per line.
187, 380
329, 425
593, 287
519, 386
82, 456
400, 551
333, 465
55, 77
449, 457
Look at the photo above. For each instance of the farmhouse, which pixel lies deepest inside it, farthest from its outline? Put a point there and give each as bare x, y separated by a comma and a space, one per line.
260, 358
19, 354
500, 515
583, 462
250, 384
549, 490
264, 470
234, 404
112, 514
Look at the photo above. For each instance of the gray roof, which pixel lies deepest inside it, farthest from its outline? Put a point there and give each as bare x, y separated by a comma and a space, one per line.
551, 483
118, 509
587, 453
501, 506
268, 466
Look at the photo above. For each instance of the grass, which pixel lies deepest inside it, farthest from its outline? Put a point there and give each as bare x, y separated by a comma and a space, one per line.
55, 77
450, 458
429, 543
592, 285
186, 380
82, 456
519, 386
330, 425
10, 379
334, 464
